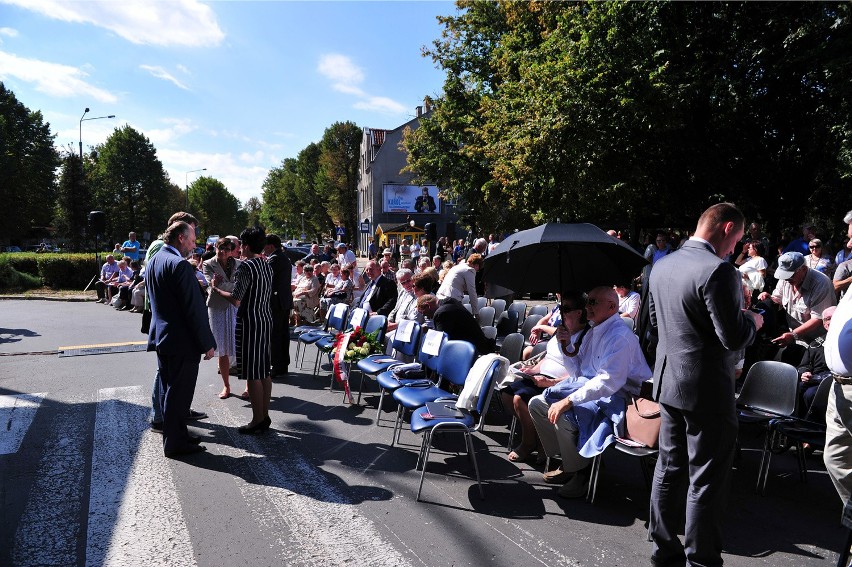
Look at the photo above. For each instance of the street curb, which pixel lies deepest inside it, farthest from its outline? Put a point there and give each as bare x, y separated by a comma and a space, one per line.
46, 298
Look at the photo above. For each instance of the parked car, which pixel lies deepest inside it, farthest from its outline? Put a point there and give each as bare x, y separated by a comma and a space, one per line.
10, 249
296, 253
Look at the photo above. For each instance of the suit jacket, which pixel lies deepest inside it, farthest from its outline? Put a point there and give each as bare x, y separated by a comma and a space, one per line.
695, 302
282, 294
179, 323
384, 297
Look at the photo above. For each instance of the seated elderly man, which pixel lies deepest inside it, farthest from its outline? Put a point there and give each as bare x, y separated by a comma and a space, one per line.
812, 371
406, 301
803, 294
577, 418
109, 271
450, 316
461, 280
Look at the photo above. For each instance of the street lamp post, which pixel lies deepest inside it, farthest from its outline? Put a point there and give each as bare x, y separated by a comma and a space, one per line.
303, 226
186, 183
83, 119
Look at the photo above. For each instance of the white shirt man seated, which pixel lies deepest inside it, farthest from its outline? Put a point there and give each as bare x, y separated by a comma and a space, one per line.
573, 418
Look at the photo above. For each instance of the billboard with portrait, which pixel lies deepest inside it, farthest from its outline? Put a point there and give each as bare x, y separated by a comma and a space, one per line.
410, 199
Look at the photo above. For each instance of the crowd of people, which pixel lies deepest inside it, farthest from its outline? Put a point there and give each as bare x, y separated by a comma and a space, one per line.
712, 305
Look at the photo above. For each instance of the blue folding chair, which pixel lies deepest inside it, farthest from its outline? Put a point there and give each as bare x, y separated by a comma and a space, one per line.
468, 423
388, 382
335, 323
454, 362
376, 324
404, 343
358, 319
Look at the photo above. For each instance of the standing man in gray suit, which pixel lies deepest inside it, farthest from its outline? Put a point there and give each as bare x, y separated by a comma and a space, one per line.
696, 302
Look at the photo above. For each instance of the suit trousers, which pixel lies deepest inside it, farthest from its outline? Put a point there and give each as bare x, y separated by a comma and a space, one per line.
279, 344
558, 440
691, 481
178, 374
838, 439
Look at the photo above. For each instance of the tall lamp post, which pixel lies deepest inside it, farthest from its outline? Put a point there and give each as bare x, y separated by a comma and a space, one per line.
83, 119
186, 183
303, 226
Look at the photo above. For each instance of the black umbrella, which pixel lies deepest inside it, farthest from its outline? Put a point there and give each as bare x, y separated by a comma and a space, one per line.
561, 257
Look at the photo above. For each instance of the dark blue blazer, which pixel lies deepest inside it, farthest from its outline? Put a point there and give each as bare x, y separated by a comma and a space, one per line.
179, 323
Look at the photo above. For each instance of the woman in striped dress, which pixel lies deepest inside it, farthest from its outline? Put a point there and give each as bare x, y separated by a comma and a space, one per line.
252, 295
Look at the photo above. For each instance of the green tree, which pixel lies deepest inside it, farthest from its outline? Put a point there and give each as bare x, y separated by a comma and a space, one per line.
28, 161
250, 213
217, 210
337, 179
73, 202
130, 184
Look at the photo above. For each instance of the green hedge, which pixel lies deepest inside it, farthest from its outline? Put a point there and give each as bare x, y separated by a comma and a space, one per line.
59, 271
13, 280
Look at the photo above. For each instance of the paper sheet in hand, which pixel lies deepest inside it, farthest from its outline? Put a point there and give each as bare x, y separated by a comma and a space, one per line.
432, 343
443, 409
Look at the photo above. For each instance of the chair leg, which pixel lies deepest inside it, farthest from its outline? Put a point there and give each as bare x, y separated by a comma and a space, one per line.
361, 386
379, 407
763, 469
396, 424
426, 439
843, 558
512, 431
472, 454
423, 471
593, 478
803, 464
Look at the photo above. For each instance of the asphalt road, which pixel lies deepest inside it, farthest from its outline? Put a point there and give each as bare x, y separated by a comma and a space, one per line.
83, 481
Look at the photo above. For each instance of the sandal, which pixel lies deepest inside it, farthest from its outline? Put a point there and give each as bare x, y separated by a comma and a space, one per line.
519, 455
244, 395
224, 394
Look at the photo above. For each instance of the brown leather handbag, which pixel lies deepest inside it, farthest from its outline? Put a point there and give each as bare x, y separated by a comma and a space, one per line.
643, 422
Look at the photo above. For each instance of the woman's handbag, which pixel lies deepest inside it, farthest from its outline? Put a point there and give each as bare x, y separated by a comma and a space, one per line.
643, 422
146, 321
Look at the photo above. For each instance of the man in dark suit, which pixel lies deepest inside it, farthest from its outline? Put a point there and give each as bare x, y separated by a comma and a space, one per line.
696, 303
449, 316
282, 303
380, 294
180, 334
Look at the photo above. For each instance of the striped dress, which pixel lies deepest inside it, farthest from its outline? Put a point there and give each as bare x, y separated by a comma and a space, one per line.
253, 289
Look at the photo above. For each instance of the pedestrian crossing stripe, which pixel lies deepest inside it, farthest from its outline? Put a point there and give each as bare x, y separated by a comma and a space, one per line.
16, 415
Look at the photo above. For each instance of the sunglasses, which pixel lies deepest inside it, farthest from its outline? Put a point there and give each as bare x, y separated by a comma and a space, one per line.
815, 246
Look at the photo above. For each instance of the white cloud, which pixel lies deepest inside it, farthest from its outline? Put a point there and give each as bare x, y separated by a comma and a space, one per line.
183, 69
161, 73
177, 22
347, 77
9, 32
176, 128
243, 181
51, 78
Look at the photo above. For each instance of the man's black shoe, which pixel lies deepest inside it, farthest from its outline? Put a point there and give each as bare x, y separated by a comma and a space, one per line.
157, 426
196, 414
194, 439
187, 450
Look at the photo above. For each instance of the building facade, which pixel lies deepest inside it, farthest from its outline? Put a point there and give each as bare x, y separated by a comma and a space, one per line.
391, 206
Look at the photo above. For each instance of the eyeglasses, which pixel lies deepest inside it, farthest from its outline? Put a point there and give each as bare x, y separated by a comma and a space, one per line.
815, 246
406, 282
592, 302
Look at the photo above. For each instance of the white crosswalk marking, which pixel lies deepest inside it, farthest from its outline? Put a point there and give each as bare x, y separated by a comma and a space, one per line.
16, 416
325, 529
49, 529
135, 516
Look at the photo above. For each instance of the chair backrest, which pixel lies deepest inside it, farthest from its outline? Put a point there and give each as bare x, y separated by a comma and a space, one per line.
520, 308
466, 299
490, 332
469, 308
485, 317
631, 324
481, 301
499, 306
770, 386
430, 361
539, 348
538, 311
358, 318
528, 327
485, 392
337, 317
377, 323
507, 324
455, 361
409, 347
512, 347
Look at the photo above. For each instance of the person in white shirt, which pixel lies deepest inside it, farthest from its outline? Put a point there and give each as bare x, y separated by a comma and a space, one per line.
752, 265
461, 280
628, 301
838, 417
346, 258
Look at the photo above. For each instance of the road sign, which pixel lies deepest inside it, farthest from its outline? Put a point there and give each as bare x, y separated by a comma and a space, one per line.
340, 231
365, 228
303, 236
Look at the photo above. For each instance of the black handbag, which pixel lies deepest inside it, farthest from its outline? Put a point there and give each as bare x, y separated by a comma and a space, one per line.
146, 321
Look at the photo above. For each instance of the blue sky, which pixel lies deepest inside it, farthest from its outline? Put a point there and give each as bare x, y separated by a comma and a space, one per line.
231, 86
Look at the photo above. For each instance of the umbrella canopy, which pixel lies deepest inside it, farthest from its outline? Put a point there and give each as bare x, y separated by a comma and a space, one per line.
561, 257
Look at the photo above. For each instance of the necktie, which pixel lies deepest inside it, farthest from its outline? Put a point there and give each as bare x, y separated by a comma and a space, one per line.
367, 293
